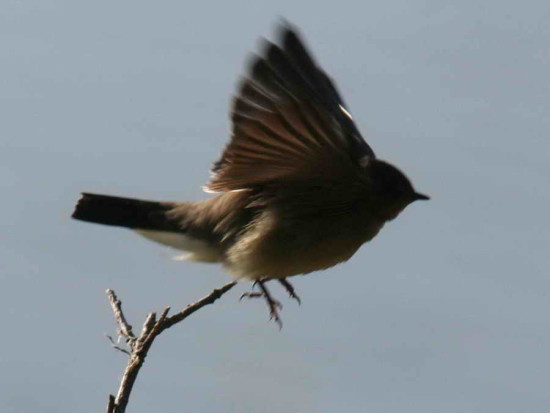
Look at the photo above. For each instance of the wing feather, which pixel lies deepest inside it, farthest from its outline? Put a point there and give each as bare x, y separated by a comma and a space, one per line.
289, 125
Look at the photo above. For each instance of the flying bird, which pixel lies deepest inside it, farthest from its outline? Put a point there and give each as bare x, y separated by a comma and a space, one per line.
296, 190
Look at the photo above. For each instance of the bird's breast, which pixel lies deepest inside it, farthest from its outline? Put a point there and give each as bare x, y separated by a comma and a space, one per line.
276, 248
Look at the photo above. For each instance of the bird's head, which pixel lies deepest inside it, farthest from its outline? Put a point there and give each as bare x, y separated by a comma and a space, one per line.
391, 189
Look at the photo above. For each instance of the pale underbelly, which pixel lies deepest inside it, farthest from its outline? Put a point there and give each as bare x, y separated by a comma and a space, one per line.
271, 249
277, 256
253, 267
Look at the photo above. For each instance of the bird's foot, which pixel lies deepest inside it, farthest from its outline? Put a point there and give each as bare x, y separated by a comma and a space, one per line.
290, 289
251, 294
273, 305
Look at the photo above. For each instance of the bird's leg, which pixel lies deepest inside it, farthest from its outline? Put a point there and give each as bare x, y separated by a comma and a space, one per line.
290, 289
273, 304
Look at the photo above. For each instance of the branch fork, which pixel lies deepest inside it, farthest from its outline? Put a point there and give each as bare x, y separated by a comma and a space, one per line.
138, 346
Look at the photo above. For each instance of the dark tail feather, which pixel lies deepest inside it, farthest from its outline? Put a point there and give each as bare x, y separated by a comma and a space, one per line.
125, 212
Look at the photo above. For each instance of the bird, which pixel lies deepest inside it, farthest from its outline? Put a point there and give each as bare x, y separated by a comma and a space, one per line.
297, 189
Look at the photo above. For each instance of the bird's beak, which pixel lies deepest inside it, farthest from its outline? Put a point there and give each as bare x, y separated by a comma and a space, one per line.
420, 197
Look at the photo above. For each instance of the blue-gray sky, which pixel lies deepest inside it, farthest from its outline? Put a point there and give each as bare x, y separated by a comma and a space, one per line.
447, 310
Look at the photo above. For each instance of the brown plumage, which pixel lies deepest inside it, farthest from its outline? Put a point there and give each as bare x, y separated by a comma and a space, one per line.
298, 188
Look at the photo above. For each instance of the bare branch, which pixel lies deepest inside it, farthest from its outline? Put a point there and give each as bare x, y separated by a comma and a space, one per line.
190, 309
150, 322
157, 328
111, 405
125, 329
140, 345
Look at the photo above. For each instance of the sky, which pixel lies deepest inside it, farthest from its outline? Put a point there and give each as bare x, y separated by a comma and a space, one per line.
448, 309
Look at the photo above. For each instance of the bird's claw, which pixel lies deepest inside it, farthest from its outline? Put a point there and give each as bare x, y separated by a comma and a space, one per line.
290, 289
273, 305
251, 294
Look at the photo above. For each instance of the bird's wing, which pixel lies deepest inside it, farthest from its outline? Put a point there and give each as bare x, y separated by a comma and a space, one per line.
290, 125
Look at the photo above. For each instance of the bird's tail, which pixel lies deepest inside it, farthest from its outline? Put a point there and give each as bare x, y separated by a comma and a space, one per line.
125, 212
153, 220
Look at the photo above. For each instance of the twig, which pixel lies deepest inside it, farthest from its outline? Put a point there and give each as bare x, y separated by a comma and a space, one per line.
116, 346
125, 329
148, 325
140, 345
111, 405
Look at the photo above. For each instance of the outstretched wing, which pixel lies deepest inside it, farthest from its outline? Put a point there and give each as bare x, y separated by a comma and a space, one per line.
290, 125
